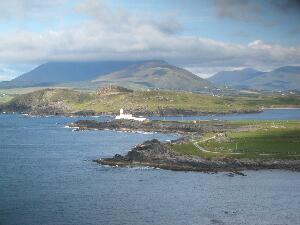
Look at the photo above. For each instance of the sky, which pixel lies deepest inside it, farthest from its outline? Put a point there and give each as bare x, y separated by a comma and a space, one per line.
203, 36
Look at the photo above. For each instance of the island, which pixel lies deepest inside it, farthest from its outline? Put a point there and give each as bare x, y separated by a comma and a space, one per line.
208, 146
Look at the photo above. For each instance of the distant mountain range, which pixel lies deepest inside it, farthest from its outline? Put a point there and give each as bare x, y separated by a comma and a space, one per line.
151, 74
235, 77
132, 74
283, 78
53, 73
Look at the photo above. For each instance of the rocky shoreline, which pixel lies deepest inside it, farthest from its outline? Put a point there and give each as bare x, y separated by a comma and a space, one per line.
161, 155
180, 127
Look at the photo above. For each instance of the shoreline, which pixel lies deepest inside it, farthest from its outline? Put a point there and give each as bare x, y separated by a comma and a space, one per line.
153, 153
250, 166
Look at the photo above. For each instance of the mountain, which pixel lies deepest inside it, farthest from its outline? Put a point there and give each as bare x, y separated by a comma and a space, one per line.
91, 75
155, 74
59, 72
235, 77
283, 78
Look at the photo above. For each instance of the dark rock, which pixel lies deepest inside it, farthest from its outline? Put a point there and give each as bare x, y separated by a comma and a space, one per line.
85, 113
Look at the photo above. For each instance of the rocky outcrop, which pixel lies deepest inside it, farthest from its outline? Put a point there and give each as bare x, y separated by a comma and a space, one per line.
160, 155
85, 113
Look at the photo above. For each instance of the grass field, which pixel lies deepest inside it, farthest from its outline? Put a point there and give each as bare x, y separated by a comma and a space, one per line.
264, 140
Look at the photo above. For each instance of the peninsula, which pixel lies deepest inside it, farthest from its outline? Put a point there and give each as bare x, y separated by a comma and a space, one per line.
208, 146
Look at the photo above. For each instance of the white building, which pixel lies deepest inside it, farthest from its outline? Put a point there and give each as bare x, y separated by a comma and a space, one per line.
128, 116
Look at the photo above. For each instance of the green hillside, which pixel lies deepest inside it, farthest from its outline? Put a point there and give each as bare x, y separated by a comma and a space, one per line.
109, 101
257, 140
152, 101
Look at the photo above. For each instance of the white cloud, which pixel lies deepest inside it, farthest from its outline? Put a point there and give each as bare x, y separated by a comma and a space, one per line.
109, 34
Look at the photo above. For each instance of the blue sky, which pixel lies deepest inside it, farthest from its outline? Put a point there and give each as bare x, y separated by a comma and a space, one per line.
204, 36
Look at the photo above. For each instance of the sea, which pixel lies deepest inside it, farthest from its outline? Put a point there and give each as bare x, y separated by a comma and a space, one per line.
48, 177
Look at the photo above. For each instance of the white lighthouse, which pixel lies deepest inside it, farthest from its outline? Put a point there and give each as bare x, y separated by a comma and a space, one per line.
128, 116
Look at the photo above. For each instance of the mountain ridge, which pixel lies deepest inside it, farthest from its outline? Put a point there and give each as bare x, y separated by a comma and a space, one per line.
91, 75
156, 75
235, 76
283, 78
71, 71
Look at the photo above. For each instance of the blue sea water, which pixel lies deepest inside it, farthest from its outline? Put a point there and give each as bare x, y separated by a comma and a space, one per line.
47, 177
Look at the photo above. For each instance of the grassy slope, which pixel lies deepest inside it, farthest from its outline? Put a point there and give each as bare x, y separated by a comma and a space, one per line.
263, 140
153, 100
150, 101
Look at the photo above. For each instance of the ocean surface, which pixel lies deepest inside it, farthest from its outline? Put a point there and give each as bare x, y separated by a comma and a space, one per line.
47, 177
